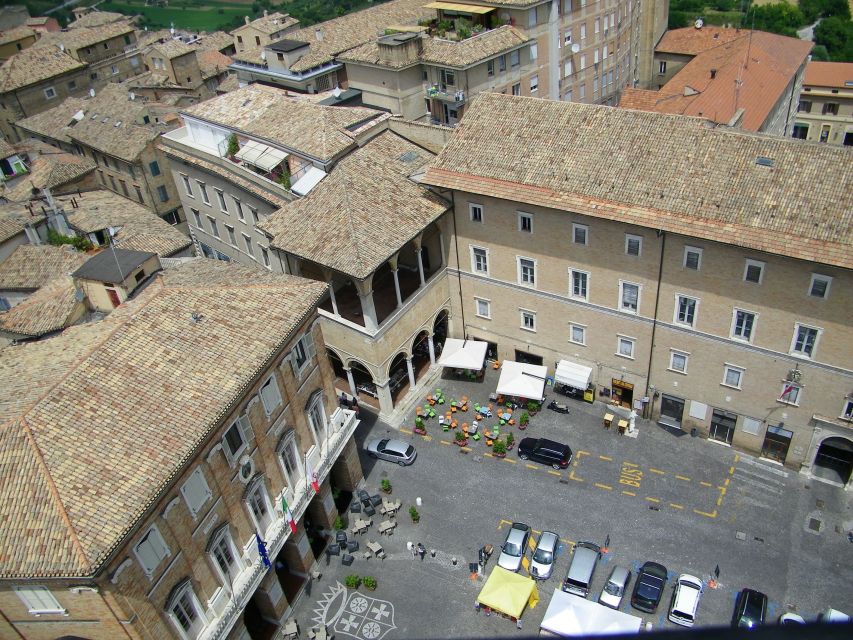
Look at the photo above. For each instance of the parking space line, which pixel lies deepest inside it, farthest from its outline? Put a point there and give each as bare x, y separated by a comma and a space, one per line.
731, 471
531, 466
726, 483
510, 460
719, 501
658, 471
628, 493
406, 431
713, 514
606, 458
676, 506
650, 499
555, 473
572, 477
502, 523
444, 441
685, 478
604, 486
705, 484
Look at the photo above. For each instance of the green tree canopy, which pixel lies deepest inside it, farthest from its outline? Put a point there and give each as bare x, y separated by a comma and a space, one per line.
836, 34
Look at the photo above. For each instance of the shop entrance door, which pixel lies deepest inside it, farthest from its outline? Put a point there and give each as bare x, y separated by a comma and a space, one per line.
671, 411
527, 358
776, 444
834, 460
722, 426
623, 392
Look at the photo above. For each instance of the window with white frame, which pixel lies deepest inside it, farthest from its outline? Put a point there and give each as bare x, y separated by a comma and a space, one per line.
197, 219
236, 439
534, 83
633, 244
484, 308
195, 491
240, 213
480, 260
692, 258
265, 256
678, 360
525, 222
151, 550
580, 233
270, 395
527, 272
629, 297
743, 324
567, 37
291, 460
186, 611
50, 93
847, 409
531, 17
685, 310
225, 555
214, 228
625, 347
732, 376
819, 286
254, 213
475, 211
790, 393
804, 341
188, 188
753, 271
583, 31
577, 334
223, 206
203, 189
534, 52
528, 320
316, 412
232, 238
302, 354
249, 248
258, 503
38, 600
579, 284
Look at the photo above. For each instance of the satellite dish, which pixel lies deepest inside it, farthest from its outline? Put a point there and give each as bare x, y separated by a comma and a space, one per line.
699, 23
576, 47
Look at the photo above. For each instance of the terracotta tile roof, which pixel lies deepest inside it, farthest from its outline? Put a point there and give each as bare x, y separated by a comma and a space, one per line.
231, 83
51, 308
215, 41
14, 34
116, 136
692, 41
37, 21
172, 48
13, 218
829, 74
76, 39
65, 513
212, 63
147, 38
53, 122
717, 83
642, 99
97, 19
136, 227
6, 149
48, 170
269, 24
31, 266
310, 129
362, 212
659, 171
35, 64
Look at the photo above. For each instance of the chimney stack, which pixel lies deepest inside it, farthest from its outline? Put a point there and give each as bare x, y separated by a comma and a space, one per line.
713, 73
246, 18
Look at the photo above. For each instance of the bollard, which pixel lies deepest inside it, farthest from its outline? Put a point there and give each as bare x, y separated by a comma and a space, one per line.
419, 502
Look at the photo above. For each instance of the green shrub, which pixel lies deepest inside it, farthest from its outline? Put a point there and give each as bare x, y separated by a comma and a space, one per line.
369, 582
339, 523
499, 447
524, 419
460, 436
509, 438
385, 484
414, 514
352, 581
78, 242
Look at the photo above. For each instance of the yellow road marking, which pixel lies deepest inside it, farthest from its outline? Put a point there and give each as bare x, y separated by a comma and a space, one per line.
444, 441
722, 491
488, 455
426, 438
531, 542
653, 470
713, 514
502, 523
682, 478
555, 473
531, 466
583, 453
676, 506
652, 499
625, 463
719, 501
629, 493
466, 448
572, 476
525, 563
406, 431
510, 460
604, 486
726, 482
606, 458
705, 484
731, 470
737, 457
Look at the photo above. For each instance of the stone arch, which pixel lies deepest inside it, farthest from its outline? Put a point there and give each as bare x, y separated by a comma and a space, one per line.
440, 329
834, 459
398, 376
365, 382
420, 353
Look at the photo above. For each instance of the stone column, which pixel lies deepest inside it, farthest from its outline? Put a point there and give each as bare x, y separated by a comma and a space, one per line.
346, 471
431, 349
353, 391
330, 280
365, 297
417, 241
386, 403
322, 508
270, 598
411, 372
296, 551
392, 262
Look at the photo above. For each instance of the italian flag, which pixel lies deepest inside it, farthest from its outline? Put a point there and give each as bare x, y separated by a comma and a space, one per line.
288, 515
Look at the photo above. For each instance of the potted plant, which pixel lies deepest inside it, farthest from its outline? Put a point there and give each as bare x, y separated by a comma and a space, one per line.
533, 407
385, 485
339, 523
414, 514
420, 426
523, 420
352, 581
510, 440
233, 146
369, 583
499, 449
461, 438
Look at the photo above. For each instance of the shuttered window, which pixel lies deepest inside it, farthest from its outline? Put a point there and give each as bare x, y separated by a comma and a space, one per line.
196, 492
151, 550
38, 600
270, 395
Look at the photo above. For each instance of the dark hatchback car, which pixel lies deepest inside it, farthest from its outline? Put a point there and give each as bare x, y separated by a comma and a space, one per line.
750, 609
549, 452
649, 587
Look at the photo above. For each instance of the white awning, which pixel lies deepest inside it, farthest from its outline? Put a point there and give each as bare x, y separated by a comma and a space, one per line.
310, 179
261, 155
463, 354
569, 616
573, 375
522, 380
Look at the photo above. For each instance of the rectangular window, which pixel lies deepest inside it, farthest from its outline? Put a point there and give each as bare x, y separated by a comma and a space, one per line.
240, 215
502, 64
484, 308
195, 491
580, 234
221, 198
270, 395
678, 361
567, 70
805, 340
38, 600
254, 213
203, 189
187, 186
753, 271
516, 89
830, 108
50, 93
534, 83
662, 67
197, 218
577, 334
232, 238
480, 260
801, 131
151, 550
583, 62
804, 106
161, 193
579, 284
236, 439
625, 347
534, 52
583, 31
528, 320
249, 248
138, 191
629, 297
525, 222
595, 56
514, 58
847, 410
567, 37
685, 310
633, 244
692, 258
265, 256
448, 77
476, 212
743, 323
732, 376
490, 68
819, 286
124, 188
72, 85
527, 272
214, 228
790, 393
531, 17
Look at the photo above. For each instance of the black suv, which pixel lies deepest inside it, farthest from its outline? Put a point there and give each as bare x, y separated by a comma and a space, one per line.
649, 587
750, 609
545, 451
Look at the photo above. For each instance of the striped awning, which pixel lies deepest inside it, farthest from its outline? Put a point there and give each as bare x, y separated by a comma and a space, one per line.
458, 6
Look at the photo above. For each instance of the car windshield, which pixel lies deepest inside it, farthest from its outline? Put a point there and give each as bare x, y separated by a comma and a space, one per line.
543, 556
382, 444
613, 589
512, 549
410, 451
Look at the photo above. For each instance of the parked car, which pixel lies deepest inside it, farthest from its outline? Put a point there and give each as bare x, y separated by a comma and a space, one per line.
542, 563
392, 450
615, 587
513, 548
648, 589
546, 451
791, 618
832, 615
685, 600
750, 609
581, 569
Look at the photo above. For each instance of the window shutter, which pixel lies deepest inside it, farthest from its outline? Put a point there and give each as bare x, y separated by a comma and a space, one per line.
246, 428
148, 557
293, 364
274, 394
196, 491
38, 599
309, 345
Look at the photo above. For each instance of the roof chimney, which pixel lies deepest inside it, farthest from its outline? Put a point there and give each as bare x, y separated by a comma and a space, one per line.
246, 18
713, 73
318, 34
266, 13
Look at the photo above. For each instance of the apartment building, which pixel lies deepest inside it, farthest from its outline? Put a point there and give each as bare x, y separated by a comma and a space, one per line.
16, 39
185, 73
118, 131
692, 273
743, 79
825, 108
244, 431
263, 30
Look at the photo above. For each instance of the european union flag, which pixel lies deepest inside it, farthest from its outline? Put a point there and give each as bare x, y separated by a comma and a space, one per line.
262, 551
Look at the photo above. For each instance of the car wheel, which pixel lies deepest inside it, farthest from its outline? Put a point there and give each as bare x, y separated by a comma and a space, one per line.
523, 456
556, 466
402, 463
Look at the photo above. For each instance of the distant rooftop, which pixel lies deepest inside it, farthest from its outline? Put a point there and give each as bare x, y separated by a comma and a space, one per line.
112, 265
286, 46
836, 75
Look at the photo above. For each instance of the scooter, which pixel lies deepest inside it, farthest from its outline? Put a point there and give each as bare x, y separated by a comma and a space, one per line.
558, 407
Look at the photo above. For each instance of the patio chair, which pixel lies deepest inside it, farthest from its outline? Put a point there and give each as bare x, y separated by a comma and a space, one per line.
352, 545
347, 559
431, 413
369, 510
476, 436
333, 550
418, 412
355, 507
341, 537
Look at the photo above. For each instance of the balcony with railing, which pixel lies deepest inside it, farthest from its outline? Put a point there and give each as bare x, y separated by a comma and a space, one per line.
446, 93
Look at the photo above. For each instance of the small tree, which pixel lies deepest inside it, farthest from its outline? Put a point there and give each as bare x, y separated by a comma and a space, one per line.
460, 436
369, 582
414, 514
385, 485
509, 439
352, 581
233, 145
524, 419
339, 523
499, 448
419, 422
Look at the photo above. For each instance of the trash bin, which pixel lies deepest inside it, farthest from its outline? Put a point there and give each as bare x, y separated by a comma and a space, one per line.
693, 432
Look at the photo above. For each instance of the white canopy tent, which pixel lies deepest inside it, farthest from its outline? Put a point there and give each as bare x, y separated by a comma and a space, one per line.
571, 616
573, 375
260, 155
522, 380
463, 354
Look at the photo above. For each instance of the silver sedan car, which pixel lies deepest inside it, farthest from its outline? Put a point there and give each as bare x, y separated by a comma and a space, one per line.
392, 450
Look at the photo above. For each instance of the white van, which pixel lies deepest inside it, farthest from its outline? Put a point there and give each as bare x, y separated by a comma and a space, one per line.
685, 600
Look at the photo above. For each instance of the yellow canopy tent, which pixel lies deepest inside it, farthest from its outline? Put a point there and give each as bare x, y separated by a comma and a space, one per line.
508, 592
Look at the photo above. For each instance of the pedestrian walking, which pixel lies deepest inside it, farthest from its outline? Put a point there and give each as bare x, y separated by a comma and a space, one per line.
421, 551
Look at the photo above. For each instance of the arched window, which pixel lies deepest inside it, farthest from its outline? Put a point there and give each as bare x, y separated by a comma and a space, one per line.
186, 611
258, 503
290, 459
225, 555
316, 413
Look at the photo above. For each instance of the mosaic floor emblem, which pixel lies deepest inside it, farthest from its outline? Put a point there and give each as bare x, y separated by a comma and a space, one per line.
354, 614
